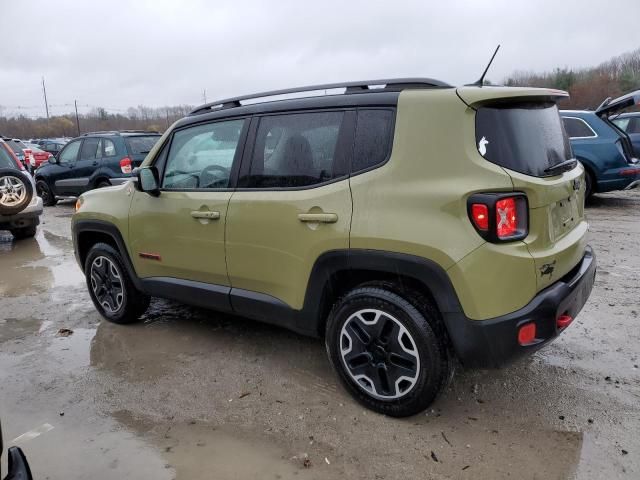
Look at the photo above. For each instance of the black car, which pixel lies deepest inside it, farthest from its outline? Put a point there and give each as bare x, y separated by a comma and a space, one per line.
94, 160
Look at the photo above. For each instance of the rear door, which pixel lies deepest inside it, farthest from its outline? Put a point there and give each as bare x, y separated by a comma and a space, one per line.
88, 162
528, 140
292, 204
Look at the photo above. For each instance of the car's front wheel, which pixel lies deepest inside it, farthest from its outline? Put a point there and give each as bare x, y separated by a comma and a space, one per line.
110, 287
44, 192
386, 351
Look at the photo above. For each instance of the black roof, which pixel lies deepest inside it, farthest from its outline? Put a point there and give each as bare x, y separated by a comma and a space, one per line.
355, 94
383, 85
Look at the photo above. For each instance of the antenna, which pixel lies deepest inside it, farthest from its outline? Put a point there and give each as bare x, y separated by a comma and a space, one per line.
480, 81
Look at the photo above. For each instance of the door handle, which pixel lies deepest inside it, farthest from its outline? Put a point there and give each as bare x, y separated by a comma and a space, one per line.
318, 217
206, 214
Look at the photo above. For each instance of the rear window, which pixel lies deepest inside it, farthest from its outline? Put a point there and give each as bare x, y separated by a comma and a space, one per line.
6, 160
524, 137
13, 145
141, 144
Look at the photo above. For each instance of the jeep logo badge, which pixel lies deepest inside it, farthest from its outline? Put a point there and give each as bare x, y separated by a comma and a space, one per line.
547, 269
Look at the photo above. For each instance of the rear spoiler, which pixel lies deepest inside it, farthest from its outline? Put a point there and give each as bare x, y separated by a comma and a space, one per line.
477, 96
609, 107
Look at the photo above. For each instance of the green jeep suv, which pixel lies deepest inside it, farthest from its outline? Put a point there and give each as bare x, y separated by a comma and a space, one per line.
407, 222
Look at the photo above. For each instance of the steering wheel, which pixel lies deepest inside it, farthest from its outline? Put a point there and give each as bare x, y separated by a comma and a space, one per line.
221, 173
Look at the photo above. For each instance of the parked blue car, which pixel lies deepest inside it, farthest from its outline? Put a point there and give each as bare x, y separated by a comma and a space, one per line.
602, 147
630, 123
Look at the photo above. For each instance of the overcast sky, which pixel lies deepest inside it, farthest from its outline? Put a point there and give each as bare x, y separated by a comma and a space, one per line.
121, 53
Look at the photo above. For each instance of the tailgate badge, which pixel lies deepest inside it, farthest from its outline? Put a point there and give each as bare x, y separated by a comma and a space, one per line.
547, 269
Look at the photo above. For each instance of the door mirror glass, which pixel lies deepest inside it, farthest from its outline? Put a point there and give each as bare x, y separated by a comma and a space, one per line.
148, 180
53, 160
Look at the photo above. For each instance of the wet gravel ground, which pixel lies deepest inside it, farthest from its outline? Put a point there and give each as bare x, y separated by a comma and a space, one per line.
194, 394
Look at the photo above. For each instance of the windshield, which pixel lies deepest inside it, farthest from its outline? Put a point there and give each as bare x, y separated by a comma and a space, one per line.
141, 144
525, 137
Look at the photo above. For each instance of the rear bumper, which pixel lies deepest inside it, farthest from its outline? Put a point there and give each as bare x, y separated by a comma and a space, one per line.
494, 342
28, 216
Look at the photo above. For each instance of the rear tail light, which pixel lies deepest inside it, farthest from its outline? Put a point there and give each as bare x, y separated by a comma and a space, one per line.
564, 321
499, 217
527, 333
480, 215
125, 165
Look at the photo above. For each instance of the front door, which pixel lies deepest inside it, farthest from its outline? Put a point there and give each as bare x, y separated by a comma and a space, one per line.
292, 204
180, 233
63, 176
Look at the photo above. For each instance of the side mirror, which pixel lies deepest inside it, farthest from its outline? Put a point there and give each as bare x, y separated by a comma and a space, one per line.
17, 463
148, 181
53, 160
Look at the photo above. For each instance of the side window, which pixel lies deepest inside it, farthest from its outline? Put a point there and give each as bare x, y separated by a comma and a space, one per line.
622, 123
90, 149
634, 125
295, 150
576, 127
70, 153
373, 138
109, 147
202, 156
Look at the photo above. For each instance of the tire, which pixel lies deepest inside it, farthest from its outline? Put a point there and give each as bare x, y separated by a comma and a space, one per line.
102, 184
588, 181
16, 191
44, 192
24, 232
374, 334
110, 287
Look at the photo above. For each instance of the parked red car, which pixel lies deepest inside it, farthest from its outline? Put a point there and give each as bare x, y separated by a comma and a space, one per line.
34, 156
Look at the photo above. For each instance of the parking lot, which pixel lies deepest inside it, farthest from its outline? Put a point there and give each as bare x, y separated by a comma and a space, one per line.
190, 392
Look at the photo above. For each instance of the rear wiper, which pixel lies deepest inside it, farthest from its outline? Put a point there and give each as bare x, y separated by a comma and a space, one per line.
562, 166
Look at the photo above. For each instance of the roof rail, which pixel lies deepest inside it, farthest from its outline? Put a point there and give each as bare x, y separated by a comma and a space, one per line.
117, 132
391, 84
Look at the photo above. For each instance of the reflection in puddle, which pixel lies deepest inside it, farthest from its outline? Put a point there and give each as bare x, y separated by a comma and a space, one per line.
32, 265
72, 352
202, 451
12, 328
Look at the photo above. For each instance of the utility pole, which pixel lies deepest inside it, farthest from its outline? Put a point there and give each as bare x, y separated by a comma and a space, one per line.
167, 113
204, 95
44, 91
75, 102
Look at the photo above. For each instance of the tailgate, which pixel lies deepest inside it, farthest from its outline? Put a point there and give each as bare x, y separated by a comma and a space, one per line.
557, 226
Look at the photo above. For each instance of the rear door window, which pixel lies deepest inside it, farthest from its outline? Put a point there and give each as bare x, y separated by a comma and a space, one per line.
296, 150
90, 149
525, 137
577, 128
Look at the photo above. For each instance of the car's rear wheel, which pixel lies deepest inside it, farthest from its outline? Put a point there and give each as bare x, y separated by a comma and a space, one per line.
110, 287
44, 192
387, 352
24, 232
16, 191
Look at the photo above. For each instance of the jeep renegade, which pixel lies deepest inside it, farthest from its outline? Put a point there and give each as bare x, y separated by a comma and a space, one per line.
409, 225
